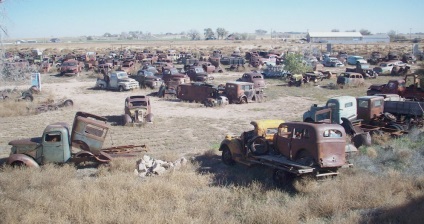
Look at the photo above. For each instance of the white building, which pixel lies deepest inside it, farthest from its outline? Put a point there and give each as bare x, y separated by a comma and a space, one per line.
334, 37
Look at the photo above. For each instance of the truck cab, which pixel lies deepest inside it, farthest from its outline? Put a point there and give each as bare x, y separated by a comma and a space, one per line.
57, 142
117, 81
53, 147
370, 107
341, 107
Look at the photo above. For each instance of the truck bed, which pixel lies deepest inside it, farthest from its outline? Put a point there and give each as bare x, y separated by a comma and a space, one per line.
281, 162
412, 108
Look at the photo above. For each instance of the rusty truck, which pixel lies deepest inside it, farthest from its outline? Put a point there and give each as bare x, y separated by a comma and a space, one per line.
290, 148
361, 117
208, 94
60, 144
410, 87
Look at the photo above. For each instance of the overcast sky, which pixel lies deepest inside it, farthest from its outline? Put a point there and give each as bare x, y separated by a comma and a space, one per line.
66, 18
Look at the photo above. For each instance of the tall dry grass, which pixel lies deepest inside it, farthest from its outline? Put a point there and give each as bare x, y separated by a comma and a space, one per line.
208, 192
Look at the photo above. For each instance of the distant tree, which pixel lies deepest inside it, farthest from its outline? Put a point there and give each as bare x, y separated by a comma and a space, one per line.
194, 34
89, 38
351, 30
107, 35
335, 30
365, 32
392, 35
209, 33
295, 65
221, 32
260, 32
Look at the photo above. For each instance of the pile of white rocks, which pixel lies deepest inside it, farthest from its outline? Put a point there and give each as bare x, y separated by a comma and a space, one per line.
148, 166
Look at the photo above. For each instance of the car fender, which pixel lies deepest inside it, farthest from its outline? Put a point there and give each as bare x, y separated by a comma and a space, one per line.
27, 160
234, 145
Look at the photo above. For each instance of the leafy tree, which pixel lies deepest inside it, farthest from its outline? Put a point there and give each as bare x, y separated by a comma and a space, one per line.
89, 38
221, 32
351, 30
260, 32
194, 34
209, 33
365, 32
335, 30
107, 35
295, 65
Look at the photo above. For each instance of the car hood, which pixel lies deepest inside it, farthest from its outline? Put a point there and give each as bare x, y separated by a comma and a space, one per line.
26, 141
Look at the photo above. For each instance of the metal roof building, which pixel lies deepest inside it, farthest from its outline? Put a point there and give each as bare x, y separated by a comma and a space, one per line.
334, 37
376, 38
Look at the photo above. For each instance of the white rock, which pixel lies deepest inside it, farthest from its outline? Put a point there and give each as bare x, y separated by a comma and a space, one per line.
142, 167
149, 163
142, 174
136, 172
159, 170
146, 158
183, 161
165, 165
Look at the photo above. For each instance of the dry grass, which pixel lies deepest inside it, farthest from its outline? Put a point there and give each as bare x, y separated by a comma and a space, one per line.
62, 195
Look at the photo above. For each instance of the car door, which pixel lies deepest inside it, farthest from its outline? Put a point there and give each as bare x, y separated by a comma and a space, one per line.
53, 148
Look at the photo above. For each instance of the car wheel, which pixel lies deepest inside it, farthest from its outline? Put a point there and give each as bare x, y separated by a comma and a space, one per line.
226, 156
121, 89
243, 100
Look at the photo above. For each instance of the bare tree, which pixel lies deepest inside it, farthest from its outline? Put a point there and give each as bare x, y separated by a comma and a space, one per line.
365, 32
221, 32
260, 32
194, 34
335, 30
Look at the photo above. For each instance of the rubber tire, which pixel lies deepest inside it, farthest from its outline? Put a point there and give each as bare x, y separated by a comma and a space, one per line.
226, 157
121, 89
68, 103
390, 116
243, 100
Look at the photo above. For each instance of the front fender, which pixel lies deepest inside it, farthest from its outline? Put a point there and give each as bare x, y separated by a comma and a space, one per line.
234, 145
28, 161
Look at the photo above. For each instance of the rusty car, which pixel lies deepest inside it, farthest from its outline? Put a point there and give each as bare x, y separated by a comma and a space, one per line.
290, 148
243, 92
350, 79
147, 79
137, 110
256, 78
70, 67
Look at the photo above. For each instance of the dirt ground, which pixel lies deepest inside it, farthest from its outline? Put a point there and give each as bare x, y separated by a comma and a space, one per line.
179, 128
